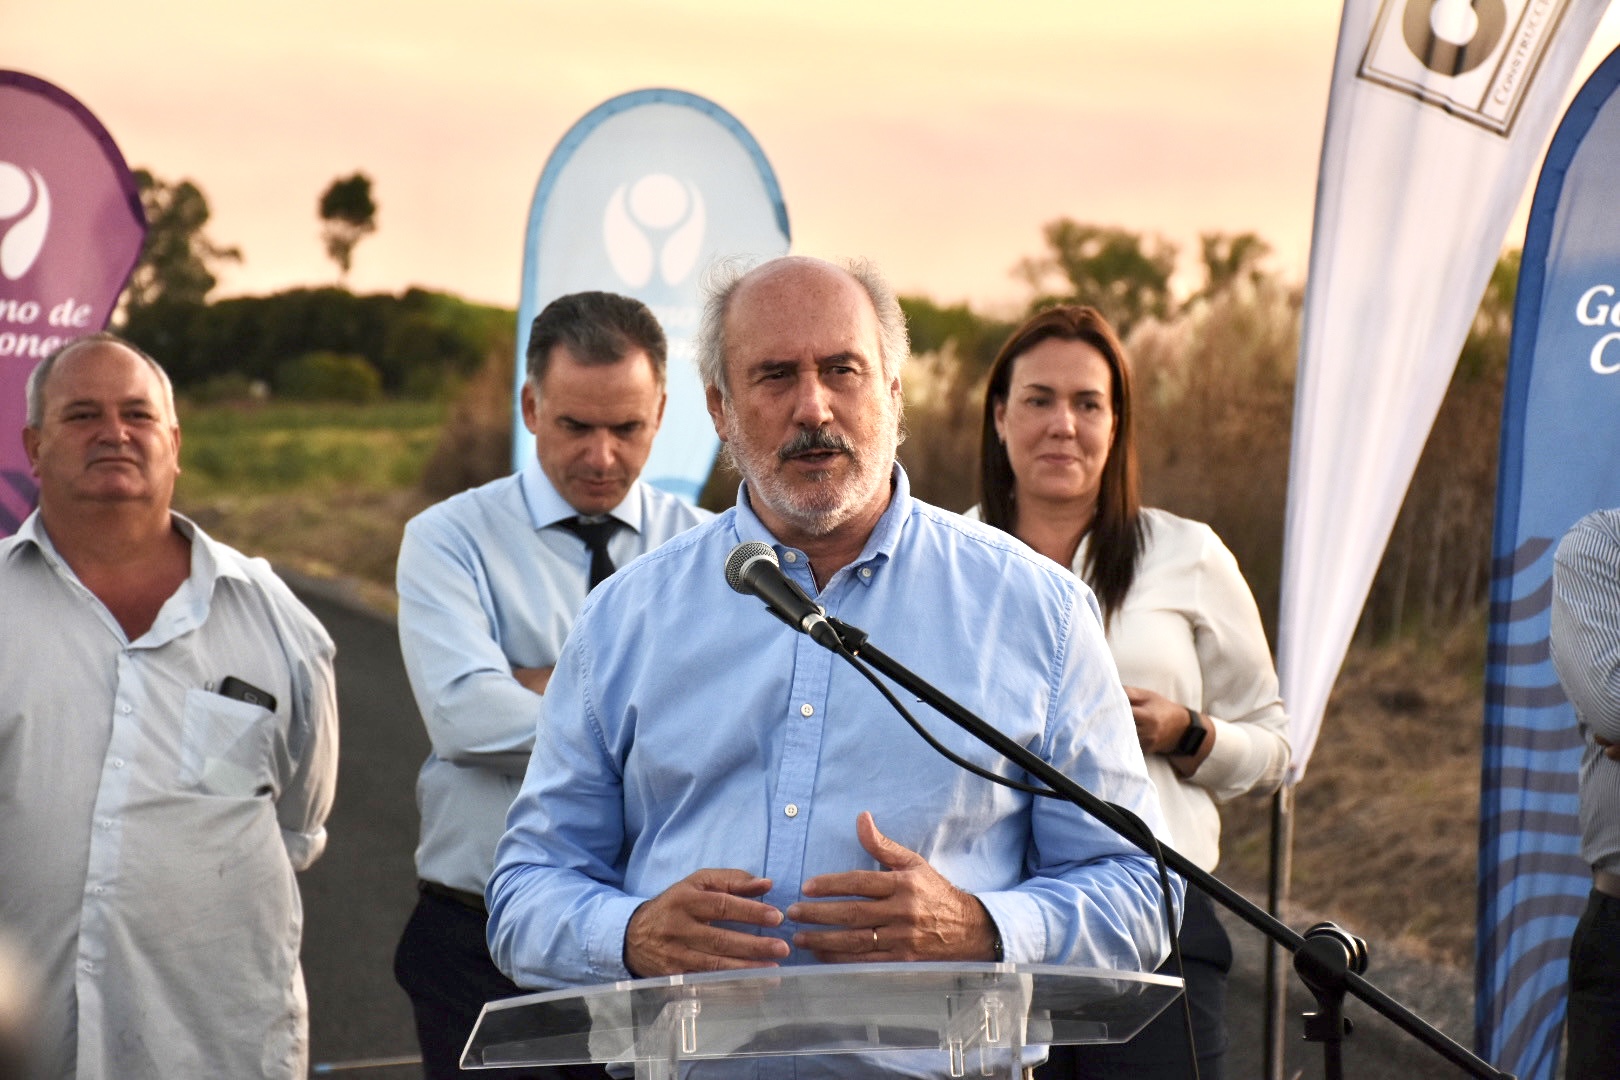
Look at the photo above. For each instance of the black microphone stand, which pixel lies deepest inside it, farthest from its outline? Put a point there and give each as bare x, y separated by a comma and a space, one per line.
1329, 960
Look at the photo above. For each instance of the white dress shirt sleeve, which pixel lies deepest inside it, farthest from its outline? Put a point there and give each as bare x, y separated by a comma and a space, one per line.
312, 745
1241, 696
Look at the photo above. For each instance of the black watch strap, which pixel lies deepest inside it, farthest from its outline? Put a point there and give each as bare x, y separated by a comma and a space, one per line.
1193, 737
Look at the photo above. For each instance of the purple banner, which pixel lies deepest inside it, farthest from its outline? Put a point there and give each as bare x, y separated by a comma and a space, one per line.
71, 230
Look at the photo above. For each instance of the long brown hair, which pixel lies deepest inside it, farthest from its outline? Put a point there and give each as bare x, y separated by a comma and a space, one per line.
1116, 530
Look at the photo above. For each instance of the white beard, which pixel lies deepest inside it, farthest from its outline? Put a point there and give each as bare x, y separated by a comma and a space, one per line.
828, 500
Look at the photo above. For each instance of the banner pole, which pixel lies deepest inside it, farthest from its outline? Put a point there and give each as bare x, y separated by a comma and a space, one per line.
1282, 866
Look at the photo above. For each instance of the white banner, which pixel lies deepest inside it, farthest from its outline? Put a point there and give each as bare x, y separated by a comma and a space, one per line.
1439, 111
639, 196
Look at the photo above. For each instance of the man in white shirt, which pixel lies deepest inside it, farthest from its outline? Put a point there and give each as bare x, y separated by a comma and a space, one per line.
489, 583
168, 750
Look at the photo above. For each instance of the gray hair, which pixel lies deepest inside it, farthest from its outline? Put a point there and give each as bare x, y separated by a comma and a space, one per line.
720, 285
42, 372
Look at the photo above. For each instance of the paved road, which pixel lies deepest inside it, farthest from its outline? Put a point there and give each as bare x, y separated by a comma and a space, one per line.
357, 897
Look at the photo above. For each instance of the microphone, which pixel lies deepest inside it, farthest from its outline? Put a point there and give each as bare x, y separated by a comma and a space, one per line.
752, 570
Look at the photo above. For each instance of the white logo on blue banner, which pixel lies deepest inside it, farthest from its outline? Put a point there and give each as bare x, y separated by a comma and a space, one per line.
643, 193
1558, 461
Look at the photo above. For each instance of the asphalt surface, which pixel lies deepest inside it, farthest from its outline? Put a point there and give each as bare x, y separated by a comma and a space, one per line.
358, 896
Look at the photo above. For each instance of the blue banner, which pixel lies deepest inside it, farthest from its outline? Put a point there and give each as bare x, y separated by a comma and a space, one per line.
1559, 459
638, 198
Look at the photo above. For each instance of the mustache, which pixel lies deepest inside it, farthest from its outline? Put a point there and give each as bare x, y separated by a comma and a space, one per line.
806, 442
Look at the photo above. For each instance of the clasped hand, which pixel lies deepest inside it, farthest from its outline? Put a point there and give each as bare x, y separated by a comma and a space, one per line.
906, 911
1160, 722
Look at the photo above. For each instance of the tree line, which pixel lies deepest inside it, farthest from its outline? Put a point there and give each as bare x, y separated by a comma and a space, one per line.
1214, 373
323, 343
1214, 376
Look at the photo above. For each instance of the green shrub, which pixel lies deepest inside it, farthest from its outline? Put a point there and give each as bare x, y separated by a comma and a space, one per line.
228, 386
327, 376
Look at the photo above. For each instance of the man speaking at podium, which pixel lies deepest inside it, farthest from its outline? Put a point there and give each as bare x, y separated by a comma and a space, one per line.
711, 790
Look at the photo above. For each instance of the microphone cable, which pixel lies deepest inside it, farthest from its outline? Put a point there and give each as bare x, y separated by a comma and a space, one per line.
1138, 831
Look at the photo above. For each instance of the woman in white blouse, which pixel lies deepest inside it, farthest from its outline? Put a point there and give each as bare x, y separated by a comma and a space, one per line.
1058, 470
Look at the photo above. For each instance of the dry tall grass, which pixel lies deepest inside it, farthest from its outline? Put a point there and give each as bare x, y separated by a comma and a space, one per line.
1387, 818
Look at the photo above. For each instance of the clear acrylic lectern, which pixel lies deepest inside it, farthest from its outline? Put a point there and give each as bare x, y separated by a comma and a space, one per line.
981, 1015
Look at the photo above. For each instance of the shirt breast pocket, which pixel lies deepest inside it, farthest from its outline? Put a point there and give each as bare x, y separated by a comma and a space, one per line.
226, 746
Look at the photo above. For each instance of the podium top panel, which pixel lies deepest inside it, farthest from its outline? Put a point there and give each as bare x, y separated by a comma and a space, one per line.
818, 1009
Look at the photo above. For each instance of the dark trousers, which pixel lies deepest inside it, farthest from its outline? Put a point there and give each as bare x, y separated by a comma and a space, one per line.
443, 964
1594, 991
1159, 1051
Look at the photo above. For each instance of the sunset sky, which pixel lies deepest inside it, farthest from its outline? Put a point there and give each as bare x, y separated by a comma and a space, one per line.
934, 137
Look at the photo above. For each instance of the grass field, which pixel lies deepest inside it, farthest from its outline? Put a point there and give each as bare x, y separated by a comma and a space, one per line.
295, 446
325, 489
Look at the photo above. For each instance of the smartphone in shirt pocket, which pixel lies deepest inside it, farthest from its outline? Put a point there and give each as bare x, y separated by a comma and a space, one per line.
227, 740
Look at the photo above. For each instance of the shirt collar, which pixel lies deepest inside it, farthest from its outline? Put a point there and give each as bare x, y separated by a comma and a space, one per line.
546, 507
209, 559
209, 563
30, 532
206, 564
187, 609
880, 545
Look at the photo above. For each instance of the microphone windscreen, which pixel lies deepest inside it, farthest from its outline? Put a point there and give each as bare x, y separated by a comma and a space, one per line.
740, 557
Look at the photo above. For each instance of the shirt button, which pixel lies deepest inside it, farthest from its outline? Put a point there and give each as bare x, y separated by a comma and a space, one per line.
85, 965
105, 823
866, 571
118, 763
791, 810
807, 709
790, 556
125, 709
99, 891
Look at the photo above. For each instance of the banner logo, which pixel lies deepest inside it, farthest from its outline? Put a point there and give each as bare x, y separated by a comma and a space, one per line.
641, 194
658, 221
1473, 59
1596, 307
25, 215
1453, 37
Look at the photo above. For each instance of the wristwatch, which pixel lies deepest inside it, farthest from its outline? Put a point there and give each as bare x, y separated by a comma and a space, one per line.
1193, 737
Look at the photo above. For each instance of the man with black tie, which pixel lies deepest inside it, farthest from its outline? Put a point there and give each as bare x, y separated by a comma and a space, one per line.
489, 583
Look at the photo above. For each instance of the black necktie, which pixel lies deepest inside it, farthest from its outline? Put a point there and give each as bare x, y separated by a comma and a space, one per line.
596, 535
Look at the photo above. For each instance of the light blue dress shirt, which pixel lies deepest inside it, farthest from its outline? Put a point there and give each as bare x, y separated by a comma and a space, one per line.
485, 586
686, 727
